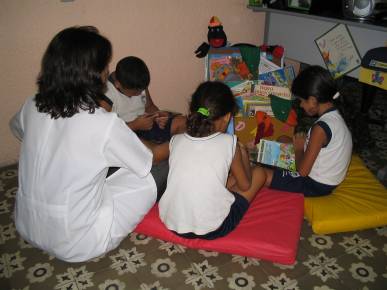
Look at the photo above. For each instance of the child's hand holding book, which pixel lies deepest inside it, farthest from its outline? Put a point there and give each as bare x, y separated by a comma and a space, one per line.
162, 119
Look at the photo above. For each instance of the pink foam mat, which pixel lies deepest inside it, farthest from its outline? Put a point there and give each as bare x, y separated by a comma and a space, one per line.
270, 230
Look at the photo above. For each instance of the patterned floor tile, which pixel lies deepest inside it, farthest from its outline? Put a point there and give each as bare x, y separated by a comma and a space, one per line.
241, 275
364, 272
309, 282
165, 269
108, 279
292, 271
141, 242
330, 244
215, 258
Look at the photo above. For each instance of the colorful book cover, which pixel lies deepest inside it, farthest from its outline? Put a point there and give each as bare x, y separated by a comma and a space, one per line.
266, 65
246, 96
282, 77
266, 90
290, 74
226, 64
274, 78
377, 78
230, 128
241, 88
276, 154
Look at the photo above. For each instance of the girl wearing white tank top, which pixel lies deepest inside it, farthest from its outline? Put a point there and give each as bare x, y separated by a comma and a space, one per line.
324, 154
210, 182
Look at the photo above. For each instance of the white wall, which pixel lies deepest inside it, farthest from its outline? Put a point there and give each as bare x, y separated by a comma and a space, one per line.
163, 33
297, 34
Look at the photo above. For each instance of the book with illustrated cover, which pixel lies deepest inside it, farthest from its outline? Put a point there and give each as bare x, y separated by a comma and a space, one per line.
282, 77
246, 97
276, 154
290, 74
266, 65
251, 96
274, 78
249, 89
226, 64
266, 90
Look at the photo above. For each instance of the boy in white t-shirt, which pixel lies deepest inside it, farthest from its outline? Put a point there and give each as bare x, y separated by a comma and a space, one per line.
129, 97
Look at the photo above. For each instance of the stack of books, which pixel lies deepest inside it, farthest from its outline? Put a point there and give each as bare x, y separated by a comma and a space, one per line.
259, 116
252, 96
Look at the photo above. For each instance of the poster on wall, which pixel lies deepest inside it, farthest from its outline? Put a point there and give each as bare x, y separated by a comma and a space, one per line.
338, 50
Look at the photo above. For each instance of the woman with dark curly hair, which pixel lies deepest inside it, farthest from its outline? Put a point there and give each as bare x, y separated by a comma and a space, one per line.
65, 204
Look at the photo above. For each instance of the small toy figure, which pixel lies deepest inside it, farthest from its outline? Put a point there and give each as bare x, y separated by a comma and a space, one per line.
216, 38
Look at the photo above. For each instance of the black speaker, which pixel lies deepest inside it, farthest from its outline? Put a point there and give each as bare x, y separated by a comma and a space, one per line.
365, 9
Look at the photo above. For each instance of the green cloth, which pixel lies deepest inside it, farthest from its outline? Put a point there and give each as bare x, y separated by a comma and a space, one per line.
251, 56
280, 107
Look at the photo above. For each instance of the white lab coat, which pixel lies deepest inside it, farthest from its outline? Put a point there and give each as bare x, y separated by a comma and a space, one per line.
65, 205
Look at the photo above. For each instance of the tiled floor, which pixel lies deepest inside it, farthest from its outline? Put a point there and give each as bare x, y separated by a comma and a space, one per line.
354, 260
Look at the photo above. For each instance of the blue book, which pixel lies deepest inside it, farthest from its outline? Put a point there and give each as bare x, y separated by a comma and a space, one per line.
282, 77
230, 128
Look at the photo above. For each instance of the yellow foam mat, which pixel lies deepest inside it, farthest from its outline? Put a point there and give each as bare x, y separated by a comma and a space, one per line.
359, 202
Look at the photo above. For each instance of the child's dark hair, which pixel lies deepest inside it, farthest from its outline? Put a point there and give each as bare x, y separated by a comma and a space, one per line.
315, 81
70, 77
132, 73
211, 98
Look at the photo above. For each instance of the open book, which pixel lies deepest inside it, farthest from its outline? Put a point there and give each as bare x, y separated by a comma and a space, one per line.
276, 154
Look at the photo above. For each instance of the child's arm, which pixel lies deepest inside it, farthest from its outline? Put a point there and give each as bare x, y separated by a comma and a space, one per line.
150, 107
305, 160
160, 151
240, 168
243, 179
143, 122
105, 105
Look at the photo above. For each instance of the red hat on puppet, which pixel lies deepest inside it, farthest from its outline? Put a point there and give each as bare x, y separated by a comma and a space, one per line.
214, 21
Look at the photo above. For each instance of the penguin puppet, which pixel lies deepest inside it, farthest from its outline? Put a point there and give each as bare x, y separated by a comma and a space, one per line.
216, 38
